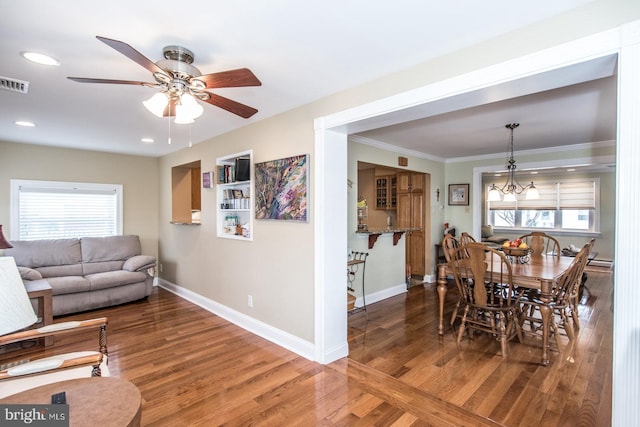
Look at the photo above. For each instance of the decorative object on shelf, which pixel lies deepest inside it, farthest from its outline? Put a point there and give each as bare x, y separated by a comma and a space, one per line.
512, 188
282, 188
458, 194
207, 179
363, 214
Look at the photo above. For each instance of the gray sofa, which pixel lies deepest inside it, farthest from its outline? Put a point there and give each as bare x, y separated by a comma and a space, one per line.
87, 273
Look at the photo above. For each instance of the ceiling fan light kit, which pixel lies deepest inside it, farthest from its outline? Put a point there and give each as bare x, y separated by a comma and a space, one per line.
181, 84
512, 188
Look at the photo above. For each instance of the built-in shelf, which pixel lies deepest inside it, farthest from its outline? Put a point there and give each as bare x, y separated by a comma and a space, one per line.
234, 203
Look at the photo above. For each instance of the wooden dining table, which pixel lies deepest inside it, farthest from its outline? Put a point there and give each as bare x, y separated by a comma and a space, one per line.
539, 272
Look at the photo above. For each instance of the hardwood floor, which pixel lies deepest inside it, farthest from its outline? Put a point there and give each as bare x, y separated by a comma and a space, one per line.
400, 339
196, 369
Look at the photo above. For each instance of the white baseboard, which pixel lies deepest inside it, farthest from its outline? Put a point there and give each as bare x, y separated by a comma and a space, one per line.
284, 339
383, 294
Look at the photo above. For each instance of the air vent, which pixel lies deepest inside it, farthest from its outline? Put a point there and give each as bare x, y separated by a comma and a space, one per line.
14, 85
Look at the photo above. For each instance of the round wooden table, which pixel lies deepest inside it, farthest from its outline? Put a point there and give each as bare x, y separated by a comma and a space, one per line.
96, 401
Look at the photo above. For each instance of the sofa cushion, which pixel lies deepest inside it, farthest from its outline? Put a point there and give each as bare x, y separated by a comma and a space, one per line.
139, 262
102, 254
112, 279
68, 285
101, 267
111, 248
41, 253
60, 270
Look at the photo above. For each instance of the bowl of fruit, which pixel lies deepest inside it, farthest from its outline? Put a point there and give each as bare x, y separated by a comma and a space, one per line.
516, 250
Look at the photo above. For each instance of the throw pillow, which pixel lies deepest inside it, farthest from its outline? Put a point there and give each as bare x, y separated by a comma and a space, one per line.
27, 273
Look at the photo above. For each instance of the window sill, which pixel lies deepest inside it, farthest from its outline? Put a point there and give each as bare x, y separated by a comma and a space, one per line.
553, 232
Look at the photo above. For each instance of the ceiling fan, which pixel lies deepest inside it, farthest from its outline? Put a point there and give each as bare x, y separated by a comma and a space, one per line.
180, 83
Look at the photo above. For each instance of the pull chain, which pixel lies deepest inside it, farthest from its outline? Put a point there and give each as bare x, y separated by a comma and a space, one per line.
169, 122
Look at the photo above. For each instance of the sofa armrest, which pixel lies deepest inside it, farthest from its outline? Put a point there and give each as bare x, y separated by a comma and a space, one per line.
139, 263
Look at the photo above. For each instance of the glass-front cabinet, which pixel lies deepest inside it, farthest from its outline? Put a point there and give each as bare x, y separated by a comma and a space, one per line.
386, 192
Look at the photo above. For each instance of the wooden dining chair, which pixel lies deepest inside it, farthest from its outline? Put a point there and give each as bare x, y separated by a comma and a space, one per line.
578, 290
560, 302
466, 238
541, 243
484, 279
449, 245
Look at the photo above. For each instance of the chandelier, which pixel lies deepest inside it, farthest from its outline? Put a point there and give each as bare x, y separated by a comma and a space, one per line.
512, 188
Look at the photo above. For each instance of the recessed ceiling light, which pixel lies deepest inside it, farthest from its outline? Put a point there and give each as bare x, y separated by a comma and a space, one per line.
147, 140
571, 170
40, 58
534, 172
25, 124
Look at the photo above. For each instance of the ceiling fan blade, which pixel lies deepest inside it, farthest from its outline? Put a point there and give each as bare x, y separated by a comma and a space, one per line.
230, 105
109, 81
132, 54
232, 78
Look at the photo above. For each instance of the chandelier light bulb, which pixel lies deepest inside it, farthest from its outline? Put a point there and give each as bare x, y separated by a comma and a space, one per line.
157, 104
188, 109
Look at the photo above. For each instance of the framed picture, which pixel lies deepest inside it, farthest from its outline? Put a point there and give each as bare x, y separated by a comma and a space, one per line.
207, 179
282, 188
458, 194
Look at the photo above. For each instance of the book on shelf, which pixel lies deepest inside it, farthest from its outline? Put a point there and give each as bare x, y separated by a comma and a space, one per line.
237, 172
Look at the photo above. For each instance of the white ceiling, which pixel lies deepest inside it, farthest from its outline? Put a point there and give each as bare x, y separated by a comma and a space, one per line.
301, 51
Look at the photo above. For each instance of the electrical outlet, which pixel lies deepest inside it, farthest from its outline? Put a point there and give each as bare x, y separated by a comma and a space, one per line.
160, 268
250, 301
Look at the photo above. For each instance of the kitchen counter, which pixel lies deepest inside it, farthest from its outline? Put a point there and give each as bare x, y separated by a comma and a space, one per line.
375, 233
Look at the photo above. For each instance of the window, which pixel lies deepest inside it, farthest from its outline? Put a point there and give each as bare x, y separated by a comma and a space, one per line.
569, 205
55, 210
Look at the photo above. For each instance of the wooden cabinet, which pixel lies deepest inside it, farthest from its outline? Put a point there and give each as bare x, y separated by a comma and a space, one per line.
410, 181
235, 204
386, 192
411, 215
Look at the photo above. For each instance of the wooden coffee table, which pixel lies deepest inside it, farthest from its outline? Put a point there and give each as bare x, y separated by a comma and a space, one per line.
96, 401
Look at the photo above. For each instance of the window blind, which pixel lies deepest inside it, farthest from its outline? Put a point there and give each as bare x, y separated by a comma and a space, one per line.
578, 195
553, 196
65, 210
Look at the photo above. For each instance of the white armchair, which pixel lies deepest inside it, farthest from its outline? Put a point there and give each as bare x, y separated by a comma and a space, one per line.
17, 314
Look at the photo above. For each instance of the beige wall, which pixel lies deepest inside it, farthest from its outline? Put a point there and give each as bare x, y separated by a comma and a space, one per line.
138, 176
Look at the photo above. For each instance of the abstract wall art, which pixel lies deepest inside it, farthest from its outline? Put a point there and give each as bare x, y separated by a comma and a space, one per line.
282, 189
